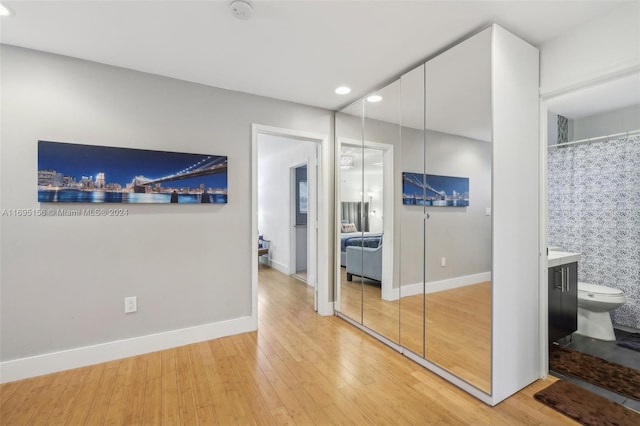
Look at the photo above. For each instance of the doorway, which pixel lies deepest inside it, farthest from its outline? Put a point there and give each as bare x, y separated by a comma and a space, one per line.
579, 127
295, 245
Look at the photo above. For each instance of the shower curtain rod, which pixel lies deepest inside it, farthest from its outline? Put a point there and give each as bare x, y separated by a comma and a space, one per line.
616, 135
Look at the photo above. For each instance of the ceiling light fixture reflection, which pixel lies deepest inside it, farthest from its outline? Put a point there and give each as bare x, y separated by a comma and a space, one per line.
346, 161
374, 98
343, 90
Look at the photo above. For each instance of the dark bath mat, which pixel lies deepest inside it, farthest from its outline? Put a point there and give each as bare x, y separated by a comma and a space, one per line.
632, 341
617, 378
586, 407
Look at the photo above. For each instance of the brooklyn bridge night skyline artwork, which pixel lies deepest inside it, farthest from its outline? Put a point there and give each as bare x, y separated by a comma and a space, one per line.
434, 190
69, 172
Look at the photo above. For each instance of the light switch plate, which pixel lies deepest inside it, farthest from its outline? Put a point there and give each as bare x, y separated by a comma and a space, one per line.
130, 304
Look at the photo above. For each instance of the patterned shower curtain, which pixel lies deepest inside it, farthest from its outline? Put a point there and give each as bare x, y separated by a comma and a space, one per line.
594, 209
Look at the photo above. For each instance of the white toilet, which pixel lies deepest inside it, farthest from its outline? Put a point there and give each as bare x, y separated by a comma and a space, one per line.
594, 304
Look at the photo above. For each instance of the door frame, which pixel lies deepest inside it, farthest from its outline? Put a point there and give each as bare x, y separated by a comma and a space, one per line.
312, 216
323, 265
545, 99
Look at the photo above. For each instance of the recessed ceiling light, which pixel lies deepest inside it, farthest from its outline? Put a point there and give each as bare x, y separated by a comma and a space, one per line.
4, 11
374, 98
343, 90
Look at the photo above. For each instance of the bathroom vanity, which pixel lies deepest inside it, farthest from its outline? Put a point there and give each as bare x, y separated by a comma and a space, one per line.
563, 293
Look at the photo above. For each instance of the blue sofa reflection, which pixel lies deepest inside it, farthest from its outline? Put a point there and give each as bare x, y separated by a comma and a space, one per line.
364, 258
366, 239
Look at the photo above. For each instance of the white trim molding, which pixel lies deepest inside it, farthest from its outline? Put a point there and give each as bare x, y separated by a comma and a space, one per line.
435, 286
38, 365
279, 266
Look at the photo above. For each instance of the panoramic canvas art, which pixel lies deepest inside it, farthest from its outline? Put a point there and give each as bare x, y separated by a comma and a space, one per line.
69, 173
434, 190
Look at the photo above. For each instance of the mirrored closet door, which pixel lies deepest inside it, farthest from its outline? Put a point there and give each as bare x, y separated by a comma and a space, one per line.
350, 209
381, 135
458, 229
415, 201
426, 264
367, 133
411, 213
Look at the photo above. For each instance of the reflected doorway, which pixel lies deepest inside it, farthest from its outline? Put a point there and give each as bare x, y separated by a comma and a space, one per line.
366, 230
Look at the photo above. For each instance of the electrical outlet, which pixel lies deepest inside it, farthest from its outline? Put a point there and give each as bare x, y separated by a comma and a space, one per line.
130, 304
443, 262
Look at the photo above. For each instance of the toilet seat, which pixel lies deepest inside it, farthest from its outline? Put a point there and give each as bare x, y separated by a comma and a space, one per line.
590, 291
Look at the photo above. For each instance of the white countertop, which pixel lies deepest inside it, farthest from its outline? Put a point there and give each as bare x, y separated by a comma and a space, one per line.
557, 258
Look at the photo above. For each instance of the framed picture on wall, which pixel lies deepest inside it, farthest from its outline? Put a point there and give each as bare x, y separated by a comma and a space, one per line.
74, 173
303, 197
434, 190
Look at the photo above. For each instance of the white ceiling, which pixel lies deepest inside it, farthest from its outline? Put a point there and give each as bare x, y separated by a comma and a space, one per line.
293, 50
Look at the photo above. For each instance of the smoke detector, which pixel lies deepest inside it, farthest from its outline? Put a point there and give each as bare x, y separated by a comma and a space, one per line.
241, 10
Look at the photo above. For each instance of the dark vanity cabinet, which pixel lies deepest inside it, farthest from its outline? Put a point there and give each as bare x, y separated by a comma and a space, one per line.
563, 300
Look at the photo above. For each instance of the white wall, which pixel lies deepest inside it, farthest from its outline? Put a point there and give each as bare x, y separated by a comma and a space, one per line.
605, 46
620, 120
63, 279
552, 128
276, 156
351, 184
374, 183
612, 122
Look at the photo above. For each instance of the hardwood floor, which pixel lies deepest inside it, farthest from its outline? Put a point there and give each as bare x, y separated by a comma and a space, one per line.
298, 368
457, 323
458, 332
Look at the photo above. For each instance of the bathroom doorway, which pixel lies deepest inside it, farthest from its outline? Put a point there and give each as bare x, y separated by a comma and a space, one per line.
591, 157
